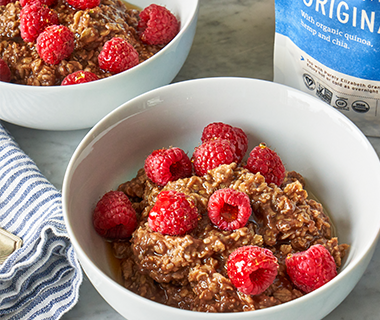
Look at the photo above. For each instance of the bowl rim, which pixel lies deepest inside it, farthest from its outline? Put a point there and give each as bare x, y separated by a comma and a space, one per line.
99, 128
194, 13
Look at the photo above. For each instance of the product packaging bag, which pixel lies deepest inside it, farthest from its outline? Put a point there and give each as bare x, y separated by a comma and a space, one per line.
331, 49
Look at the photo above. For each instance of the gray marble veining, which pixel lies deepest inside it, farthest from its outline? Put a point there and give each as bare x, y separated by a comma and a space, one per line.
233, 38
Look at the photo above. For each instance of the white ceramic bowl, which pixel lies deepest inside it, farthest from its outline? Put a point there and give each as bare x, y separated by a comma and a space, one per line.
339, 165
81, 106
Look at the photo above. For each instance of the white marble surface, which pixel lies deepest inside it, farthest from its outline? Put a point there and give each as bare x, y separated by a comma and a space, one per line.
234, 38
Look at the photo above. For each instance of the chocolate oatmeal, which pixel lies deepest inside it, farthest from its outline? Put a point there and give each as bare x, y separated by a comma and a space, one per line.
189, 272
91, 27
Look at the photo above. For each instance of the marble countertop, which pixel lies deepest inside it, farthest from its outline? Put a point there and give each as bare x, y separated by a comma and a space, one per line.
233, 38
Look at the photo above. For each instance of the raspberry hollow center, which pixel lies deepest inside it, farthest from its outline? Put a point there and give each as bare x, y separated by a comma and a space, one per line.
176, 169
229, 213
257, 275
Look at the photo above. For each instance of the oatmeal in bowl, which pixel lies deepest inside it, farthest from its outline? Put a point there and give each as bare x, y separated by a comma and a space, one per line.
49, 45
101, 39
222, 236
189, 262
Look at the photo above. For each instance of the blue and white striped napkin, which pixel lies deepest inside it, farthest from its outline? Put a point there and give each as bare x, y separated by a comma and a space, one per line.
40, 280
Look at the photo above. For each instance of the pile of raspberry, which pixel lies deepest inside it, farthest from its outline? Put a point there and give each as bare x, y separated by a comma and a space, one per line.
251, 269
54, 42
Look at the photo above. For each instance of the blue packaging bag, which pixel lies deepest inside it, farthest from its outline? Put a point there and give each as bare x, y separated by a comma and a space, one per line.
331, 49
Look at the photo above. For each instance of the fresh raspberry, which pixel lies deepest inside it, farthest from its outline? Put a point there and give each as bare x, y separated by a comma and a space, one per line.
5, 72
212, 154
157, 25
311, 269
34, 18
118, 55
264, 160
49, 3
83, 4
165, 165
114, 217
252, 269
79, 77
229, 209
225, 131
242, 146
5, 2
55, 43
173, 214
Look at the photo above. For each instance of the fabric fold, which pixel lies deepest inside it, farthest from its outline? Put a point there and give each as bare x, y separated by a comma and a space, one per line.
40, 280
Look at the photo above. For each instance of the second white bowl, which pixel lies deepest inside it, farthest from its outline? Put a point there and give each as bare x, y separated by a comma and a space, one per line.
81, 106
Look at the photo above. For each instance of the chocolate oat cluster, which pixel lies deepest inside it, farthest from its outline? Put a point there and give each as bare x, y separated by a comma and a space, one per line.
212, 233
54, 42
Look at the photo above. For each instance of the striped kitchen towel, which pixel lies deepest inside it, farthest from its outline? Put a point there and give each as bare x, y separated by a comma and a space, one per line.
40, 280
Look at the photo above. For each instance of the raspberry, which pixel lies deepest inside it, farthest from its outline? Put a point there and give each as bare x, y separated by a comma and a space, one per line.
5, 72
49, 3
212, 154
5, 2
165, 165
114, 217
83, 4
242, 146
264, 160
173, 214
229, 209
34, 18
157, 25
224, 131
311, 269
118, 55
79, 77
252, 269
55, 43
